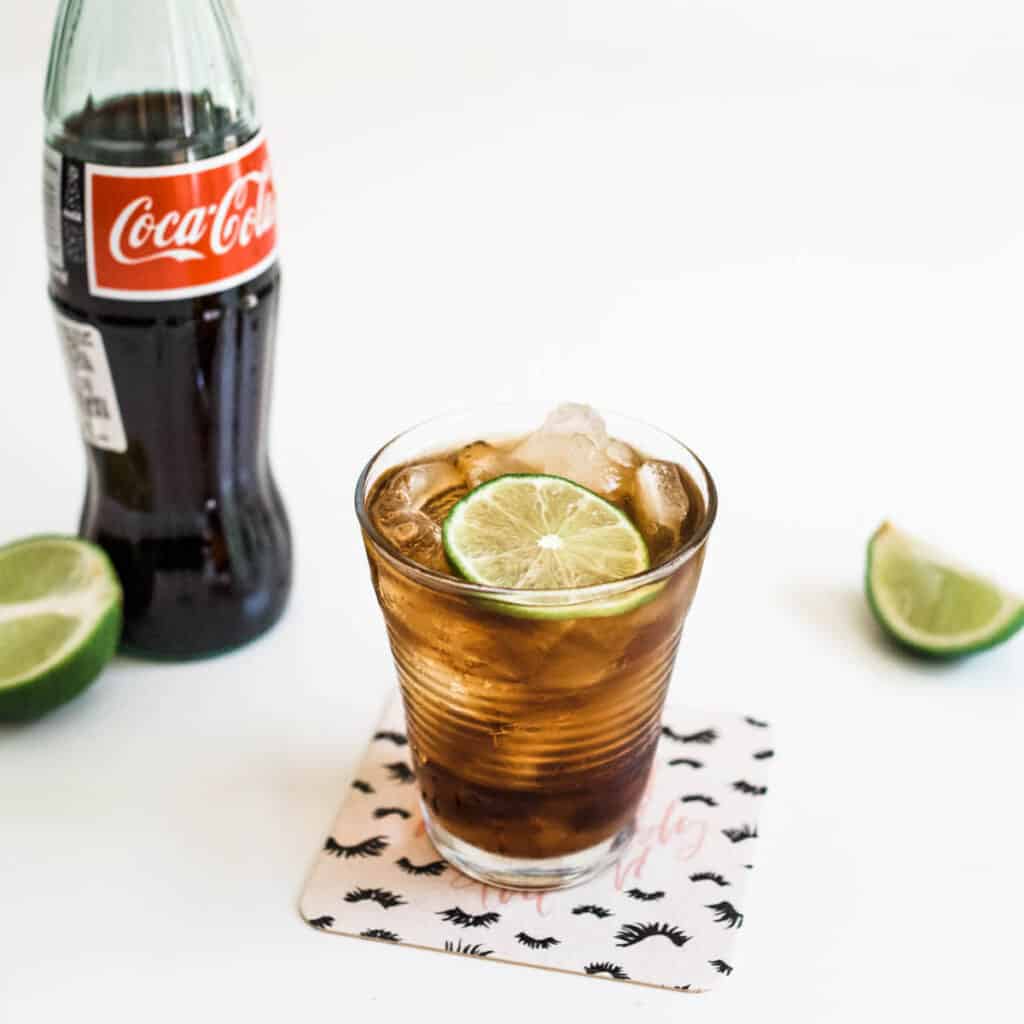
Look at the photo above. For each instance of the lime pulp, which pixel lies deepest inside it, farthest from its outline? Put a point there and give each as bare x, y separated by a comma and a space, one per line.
60, 622
923, 600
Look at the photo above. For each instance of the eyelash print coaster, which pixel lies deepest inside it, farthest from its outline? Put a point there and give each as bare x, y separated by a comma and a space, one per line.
667, 914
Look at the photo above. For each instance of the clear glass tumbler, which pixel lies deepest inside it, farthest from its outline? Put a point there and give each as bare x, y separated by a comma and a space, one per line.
533, 716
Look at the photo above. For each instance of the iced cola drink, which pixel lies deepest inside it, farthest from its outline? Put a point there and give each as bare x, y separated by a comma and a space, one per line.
533, 715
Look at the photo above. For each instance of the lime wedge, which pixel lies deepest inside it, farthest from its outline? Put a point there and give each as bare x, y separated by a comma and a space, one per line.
60, 621
535, 532
927, 603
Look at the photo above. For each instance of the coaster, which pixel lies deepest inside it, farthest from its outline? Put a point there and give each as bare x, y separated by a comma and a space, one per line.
666, 915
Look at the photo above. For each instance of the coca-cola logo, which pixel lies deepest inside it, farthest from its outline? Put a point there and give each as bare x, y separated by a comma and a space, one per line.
237, 219
174, 232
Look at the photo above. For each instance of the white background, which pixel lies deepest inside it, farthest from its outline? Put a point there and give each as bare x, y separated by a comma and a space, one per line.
791, 233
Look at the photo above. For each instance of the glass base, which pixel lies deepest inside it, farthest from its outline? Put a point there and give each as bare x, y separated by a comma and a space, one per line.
523, 873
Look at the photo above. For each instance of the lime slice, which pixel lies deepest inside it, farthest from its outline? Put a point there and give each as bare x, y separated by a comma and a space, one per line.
60, 621
534, 532
926, 602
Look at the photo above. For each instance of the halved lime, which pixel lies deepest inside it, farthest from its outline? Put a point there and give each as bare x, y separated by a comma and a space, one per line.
929, 604
535, 532
60, 621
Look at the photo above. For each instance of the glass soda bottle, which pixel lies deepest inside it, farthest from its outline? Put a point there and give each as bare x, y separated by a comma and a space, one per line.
161, 235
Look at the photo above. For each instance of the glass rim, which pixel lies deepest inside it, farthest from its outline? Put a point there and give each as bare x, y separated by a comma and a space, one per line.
561, 595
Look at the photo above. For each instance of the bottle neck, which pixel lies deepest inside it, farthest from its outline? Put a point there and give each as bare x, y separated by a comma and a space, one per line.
158, 83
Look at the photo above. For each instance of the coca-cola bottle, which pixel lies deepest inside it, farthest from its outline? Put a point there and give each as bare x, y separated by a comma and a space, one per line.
162, 243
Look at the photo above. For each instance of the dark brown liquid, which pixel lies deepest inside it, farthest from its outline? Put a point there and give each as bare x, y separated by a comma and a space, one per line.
530, 738
189, 514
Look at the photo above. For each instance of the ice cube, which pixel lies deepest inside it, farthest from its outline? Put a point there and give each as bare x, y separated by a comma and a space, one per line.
661, 505
620, 452
574, 418
417, 486
416, 536
413, 504
480, 462
577, 458
573, 442
429, 487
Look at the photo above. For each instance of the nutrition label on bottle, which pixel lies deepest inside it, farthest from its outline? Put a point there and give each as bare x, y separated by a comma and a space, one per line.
92, 385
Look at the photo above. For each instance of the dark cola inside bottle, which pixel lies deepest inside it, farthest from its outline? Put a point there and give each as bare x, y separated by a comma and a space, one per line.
161, 238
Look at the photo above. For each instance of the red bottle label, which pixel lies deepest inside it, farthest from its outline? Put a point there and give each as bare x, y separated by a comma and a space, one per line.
179, 231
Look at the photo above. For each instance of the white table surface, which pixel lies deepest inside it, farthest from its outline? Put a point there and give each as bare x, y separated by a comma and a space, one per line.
790, 233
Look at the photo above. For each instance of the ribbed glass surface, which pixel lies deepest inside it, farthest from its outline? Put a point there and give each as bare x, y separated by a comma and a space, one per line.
531, 738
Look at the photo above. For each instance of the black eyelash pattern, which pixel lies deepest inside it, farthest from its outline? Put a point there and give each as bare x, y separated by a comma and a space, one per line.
726, 913
686, 760
639, 894
386, 812
742, 786
721, 966
763, 755
756, 723
384, 897
528, 940
321, 922
380, 933
708, 876
704, 736
458, 916
699, 798
591, 908
397, 738
631, 934
681, 988
434, 868
372, 847
468, 950
400, 772
363, 787
737, 835
605, 967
